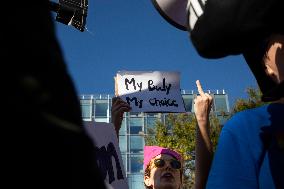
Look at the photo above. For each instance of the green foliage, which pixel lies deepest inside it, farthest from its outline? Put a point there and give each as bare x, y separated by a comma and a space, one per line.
215, 130
253, 101
179, 133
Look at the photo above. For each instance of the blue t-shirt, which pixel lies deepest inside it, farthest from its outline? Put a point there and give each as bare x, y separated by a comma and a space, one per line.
245, 155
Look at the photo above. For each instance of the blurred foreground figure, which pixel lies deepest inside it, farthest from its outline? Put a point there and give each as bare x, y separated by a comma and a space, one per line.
71, 12
250, 152
45, 146
220, 28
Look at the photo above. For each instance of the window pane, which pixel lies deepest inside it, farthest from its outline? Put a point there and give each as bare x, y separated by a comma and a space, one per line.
123, 156
135, 129
136, 163
122, 130
187, 99
123, 143
136, 121
151, 122
220, 103
136, 181
101, 108
136, 125
136, 144
101, 120
136, 114
86, 111
86, 107
153, 115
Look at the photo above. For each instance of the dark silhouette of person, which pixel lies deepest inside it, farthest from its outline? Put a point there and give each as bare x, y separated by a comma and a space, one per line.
45, 144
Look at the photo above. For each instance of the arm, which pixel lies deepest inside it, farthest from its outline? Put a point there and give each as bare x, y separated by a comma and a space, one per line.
204, 152
117, 110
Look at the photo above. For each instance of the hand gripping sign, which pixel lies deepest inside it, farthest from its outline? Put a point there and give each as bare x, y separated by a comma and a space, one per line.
150, 91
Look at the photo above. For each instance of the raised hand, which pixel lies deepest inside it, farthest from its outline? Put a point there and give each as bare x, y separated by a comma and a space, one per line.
203, 149
117, 110
202, 104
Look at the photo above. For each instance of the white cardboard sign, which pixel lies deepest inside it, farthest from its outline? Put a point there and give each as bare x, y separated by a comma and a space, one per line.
150, 91
109, 158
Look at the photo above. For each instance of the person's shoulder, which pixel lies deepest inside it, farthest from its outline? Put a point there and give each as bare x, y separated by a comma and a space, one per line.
260, 112
251, 113
247, 117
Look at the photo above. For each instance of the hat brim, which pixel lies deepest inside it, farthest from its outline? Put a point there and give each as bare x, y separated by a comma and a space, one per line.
173, 12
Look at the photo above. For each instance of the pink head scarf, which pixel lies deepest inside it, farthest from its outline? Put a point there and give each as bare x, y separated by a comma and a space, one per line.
152, 151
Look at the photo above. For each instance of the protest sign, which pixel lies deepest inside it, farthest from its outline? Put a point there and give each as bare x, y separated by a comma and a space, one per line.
108, 154
147, 91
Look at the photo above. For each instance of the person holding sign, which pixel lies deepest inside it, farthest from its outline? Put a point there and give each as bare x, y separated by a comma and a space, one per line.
155, 157
117, 110
150, 91
163, 167
105, 137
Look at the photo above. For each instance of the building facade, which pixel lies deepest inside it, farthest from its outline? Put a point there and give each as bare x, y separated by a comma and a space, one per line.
134, 127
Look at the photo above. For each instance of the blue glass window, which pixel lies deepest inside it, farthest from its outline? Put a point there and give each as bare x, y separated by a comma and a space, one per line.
151, 122
101, 108
220, 103
123, 143
86, 107
123, 130
136, 181
187, 99
136, 125
136, 144
123, 156
136, 163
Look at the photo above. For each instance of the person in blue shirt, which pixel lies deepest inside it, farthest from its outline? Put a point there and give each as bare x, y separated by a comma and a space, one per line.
250, 151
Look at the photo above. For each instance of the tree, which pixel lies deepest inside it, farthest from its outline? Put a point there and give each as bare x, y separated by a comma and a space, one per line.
253, 101
178, 133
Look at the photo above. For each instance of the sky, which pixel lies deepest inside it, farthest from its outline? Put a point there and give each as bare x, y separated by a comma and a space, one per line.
131, 35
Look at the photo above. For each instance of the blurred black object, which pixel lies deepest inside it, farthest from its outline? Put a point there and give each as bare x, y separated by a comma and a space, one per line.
46, 145
71, 12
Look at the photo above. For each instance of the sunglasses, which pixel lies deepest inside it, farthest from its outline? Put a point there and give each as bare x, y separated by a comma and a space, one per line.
160, 163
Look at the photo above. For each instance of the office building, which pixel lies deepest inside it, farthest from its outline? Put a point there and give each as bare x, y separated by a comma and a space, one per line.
134, 127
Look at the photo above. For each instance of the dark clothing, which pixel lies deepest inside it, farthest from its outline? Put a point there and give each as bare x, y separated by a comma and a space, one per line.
250, 151
46, 144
